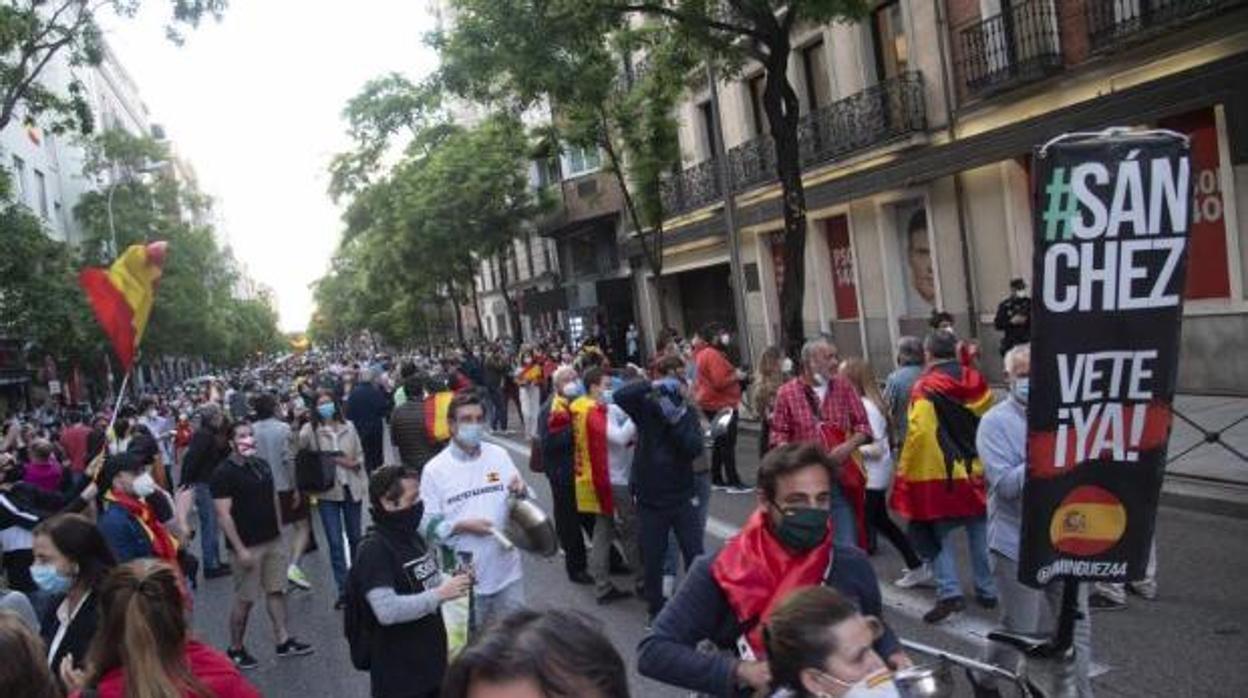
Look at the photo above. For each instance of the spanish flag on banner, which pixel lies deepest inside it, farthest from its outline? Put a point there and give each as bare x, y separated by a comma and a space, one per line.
122, 296
592, 480
939, 474
531, 373
437, 407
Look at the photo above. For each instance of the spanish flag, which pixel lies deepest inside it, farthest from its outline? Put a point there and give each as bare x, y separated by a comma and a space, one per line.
591, 479
122, 296
531, 374
437, 407
939, 474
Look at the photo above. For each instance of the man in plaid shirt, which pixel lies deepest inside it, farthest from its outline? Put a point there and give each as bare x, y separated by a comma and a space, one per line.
794, 419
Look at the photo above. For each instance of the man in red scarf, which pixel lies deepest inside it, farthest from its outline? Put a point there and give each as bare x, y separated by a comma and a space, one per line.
728, 597
135, 510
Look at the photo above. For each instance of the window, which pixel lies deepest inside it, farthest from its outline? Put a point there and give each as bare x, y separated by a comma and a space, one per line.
19, 178
57, 215
41, 190
708, 129
580, 160
528, 254
755, 86
892, 48
550, 261
815, 77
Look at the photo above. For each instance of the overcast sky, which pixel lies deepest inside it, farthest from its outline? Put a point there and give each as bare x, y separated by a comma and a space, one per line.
254, 103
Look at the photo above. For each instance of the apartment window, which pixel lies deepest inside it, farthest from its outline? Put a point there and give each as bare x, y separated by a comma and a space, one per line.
581, 160
41, 190
756, 86
892, 47
546, 172
528, 254
58, 215
815, 77
515, 267
549, 258
708, 129
19, 178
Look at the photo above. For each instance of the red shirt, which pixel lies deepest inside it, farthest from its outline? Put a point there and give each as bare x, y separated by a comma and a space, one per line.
715, 385
794, 420
74, 441
212, 668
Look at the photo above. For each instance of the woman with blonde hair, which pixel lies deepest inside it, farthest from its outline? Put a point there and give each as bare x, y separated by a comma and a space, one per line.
24, 670
143, 647
878, 457
768, 377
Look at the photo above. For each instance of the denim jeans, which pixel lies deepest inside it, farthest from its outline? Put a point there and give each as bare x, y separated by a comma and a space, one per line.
208, 546
486, 609
656, 526
338, 517
933, 541
844, 522
702, 488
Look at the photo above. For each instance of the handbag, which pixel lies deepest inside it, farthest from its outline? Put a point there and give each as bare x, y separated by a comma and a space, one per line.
315, 470
535, 456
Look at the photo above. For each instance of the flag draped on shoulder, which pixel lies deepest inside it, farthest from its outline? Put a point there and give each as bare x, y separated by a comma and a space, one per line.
939, 474
592, 478
122, 296
437, 408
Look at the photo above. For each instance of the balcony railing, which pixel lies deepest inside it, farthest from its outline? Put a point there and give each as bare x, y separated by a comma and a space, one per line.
1020, 45
883, 112
1113, 23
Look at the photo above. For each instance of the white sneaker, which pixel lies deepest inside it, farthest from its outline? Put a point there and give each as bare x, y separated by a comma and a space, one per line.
669, 585
919, 576
295, 576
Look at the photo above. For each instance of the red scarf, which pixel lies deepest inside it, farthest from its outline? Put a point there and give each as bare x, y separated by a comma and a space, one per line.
756, 572
164, 545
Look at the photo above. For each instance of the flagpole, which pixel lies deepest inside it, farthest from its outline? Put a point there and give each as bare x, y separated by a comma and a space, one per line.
117, 402
125, 379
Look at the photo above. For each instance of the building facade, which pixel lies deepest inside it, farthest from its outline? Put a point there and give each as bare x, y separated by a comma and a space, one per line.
916, 133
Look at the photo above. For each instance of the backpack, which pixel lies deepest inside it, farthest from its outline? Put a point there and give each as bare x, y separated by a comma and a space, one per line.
358, 620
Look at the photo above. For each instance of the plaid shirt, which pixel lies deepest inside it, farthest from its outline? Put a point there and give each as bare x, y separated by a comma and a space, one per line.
793, 419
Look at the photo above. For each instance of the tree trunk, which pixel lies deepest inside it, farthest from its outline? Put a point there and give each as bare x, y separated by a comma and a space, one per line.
476, 308
513, 310
781, 105
459, 321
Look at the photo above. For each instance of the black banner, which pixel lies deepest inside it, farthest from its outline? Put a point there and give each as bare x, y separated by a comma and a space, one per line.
1112, 214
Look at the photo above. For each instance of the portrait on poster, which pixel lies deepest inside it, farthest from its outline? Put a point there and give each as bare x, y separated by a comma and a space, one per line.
915, 247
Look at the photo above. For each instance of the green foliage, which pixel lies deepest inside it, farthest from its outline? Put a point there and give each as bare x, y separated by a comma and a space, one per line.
33, 33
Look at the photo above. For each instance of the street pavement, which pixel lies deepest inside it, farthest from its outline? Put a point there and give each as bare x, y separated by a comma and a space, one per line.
1191, 641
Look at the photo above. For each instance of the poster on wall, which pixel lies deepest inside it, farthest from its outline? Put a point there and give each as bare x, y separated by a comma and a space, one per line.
1112, 217
1209, 275
844, 288
916, 253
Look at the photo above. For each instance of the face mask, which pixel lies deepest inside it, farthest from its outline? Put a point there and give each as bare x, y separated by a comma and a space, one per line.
469, 436
247, 447
573, 390
820, 379
49, 579
151, 414
1021, 389
724, 338
608, 396
877, 685
144, 485
803, 528
787, 365
326, 410
1019, 293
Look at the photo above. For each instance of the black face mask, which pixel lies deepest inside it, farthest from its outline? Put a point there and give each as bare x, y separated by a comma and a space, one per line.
406, 519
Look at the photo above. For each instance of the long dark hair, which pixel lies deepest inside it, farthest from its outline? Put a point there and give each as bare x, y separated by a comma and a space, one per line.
315, 414
143, 631
799, 635
564, 653
24, 671
79, 540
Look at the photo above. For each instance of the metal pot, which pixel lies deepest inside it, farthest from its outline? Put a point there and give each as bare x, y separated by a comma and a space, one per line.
933, 680
530, 528
720, 423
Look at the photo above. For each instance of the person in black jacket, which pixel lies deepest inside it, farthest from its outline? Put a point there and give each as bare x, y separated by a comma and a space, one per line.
205, 451
399, 578
408, 429
71, 559
367, 409
557, 461
669, 438
22, 507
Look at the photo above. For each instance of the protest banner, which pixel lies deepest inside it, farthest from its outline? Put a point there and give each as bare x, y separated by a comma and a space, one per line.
1112, 216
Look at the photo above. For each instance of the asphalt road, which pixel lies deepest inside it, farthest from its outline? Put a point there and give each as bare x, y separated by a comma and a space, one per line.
1191, 641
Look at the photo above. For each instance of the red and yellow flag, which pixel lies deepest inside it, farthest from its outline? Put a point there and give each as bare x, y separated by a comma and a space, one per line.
122, 296
591, 478
437, 407
939, 474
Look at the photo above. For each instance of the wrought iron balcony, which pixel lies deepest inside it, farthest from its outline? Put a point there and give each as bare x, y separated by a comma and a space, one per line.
693, 188
1114, 23
1020, 45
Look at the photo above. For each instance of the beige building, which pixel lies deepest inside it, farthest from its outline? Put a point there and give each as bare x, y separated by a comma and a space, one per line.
916, 134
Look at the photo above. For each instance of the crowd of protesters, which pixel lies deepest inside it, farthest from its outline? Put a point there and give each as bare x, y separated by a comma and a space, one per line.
99, 510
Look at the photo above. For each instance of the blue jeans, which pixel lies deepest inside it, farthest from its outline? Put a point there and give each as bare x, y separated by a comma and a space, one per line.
492, 607
207, 526
333, 517
702, 488
656, 526
844, 523
932, 539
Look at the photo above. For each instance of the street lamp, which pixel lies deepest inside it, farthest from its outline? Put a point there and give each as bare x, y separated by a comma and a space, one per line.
146, 168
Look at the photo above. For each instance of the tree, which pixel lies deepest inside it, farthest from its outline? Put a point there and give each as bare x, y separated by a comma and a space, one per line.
572, 56
35, 32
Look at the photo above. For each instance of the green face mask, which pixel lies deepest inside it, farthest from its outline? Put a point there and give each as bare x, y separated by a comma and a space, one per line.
802, 528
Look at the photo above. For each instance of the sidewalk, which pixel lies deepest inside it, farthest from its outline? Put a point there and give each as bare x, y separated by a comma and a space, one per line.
1201, 474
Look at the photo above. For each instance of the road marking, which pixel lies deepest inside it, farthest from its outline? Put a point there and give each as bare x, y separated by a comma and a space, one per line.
909, 603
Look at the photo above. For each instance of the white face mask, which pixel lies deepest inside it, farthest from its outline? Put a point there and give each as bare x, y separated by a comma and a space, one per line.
820, 379
877, 685
144, 485
787, 365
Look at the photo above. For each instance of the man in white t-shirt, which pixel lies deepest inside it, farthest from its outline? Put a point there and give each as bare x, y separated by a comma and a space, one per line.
465, 491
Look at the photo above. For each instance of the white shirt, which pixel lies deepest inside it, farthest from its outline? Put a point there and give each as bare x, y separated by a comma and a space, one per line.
64, 615
621, 440
455, 487
878, 455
